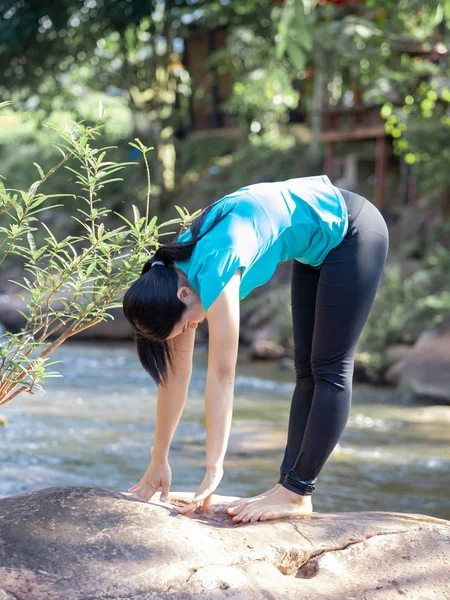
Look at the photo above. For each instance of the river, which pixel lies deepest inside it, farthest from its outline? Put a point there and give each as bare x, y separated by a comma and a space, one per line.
95, 427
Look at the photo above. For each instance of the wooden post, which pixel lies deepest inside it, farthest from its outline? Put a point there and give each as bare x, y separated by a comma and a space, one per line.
216, 117
380, 171
187, 63
328, 163
412, 188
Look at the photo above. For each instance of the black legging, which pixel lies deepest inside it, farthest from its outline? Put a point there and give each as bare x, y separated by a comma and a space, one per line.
330, 305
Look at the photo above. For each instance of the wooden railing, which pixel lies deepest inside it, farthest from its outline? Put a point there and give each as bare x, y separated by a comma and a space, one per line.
357, 123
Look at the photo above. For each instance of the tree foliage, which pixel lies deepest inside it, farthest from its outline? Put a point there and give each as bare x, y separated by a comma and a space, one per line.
316, 52
72, 283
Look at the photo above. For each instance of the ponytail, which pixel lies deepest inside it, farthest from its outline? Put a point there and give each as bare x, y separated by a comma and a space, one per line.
151, 304
179, 251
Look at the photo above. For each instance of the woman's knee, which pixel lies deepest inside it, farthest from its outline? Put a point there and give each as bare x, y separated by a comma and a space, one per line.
337, 374
303, 372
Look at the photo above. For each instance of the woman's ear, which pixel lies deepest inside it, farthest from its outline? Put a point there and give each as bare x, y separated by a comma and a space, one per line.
183, 293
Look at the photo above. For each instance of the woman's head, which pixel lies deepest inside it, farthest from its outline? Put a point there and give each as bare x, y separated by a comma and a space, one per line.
161, 303
193, 312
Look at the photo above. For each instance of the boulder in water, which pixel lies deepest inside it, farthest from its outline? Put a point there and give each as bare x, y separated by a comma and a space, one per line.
425, 370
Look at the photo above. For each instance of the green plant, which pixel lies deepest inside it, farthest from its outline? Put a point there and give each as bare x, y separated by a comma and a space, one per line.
403, 309
74, 282
420, 129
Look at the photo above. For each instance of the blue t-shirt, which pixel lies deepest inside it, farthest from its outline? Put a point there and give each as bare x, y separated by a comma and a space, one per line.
300, 218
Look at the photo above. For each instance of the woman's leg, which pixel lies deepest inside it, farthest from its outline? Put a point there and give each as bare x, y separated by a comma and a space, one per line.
346, 287
349, 278
303, 302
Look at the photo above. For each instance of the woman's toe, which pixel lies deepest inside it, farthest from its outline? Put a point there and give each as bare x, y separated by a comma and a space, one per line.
239, 509
246, 518
255, 517
236, 503
238, 517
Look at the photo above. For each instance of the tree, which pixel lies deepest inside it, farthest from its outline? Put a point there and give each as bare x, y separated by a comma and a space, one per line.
131, 47
74, 282
393, 54
51, 51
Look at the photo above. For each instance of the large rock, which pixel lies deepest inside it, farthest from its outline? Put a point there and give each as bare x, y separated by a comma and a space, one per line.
411, 233
117, 328
79, 543
425, 370
10, 305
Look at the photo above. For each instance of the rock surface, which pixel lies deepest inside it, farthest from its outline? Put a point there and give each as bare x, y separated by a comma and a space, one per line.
266, 350
79, 543
117, 329
425, 370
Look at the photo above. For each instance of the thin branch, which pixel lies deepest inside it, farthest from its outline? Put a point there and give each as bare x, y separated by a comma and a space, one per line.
147, 204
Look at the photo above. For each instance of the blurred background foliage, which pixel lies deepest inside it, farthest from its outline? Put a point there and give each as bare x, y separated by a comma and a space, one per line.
281, 65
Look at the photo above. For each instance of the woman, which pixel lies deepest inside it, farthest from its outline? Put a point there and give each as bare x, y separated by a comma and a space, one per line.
339, 243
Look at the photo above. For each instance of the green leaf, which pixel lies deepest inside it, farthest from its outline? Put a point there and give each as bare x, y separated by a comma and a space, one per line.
90, 268
40, 171
136, 214
297, 56
299, 30
34, 212
82, 142
31, 241
125, 219
281, 48
151, 224
79, 175
50, 233
170, 222
19, 284
103, 182
447, 10
180, 211
60, 150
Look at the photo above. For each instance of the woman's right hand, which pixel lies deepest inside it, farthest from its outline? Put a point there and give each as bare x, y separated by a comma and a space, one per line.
158, 475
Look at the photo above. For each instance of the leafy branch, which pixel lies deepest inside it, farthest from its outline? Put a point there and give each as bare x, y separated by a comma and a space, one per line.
71, 283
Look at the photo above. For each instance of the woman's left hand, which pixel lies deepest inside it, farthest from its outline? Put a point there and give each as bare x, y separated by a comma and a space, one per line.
211, 480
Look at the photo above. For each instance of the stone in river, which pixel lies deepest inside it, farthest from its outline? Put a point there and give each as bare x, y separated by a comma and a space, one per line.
81, 543
266, 350
425, 370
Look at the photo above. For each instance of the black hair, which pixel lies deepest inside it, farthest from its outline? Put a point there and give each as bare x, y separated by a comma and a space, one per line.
151, 304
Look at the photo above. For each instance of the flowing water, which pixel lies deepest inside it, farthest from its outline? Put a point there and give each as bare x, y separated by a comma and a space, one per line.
95, 427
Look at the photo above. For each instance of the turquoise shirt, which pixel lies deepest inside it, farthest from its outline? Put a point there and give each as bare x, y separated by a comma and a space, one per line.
300, 218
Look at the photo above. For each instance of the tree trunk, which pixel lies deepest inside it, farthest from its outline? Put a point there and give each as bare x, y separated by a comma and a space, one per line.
319, 81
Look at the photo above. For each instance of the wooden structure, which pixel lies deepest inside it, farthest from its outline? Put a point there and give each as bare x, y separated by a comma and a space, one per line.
210, 87
357, 123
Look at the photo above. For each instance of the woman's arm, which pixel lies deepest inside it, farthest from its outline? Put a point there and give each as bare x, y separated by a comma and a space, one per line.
172, 397
223, 326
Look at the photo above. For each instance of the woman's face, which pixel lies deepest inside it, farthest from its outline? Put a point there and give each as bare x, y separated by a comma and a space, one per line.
194, 313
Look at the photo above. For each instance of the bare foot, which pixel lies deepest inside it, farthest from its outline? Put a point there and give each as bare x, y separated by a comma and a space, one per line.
238, 505
281, 503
